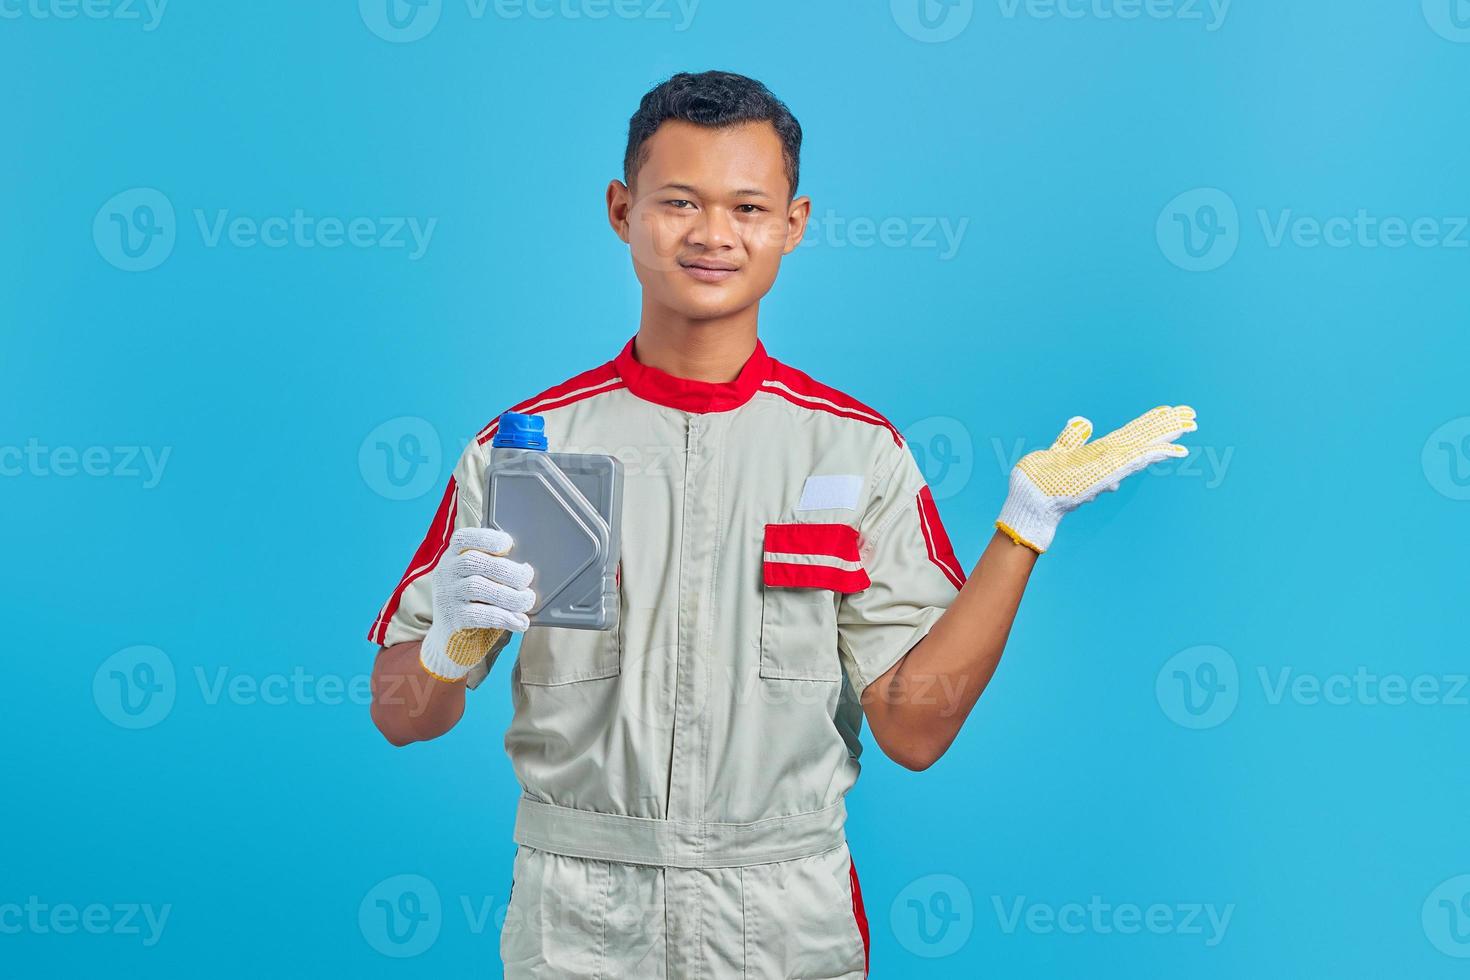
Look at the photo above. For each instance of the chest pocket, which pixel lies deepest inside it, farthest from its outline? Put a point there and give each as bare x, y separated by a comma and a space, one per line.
804, 569
556, 655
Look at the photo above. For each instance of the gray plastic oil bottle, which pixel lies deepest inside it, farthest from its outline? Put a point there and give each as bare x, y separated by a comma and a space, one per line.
564, 513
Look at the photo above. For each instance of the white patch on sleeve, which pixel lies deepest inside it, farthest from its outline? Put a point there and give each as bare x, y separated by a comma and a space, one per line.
835, 492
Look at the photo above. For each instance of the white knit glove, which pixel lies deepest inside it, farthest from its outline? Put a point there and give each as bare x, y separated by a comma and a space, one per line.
1048, 483
478, 596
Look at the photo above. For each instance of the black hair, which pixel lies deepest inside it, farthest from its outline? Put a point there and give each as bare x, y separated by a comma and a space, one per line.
716, 99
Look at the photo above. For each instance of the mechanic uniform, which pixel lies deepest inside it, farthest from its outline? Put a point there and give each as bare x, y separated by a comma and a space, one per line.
683, 774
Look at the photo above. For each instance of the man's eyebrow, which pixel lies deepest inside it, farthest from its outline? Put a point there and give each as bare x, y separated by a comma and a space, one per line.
742, 192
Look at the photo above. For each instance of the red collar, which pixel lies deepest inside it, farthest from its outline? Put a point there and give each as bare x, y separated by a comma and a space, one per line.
686, 394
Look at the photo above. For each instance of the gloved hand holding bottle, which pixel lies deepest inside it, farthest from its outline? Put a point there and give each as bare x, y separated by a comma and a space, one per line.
479, 594
1049, 483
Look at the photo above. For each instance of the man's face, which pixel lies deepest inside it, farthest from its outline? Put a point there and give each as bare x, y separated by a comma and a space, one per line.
708, 218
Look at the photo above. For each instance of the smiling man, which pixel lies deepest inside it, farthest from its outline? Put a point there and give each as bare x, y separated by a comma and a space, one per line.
784, 575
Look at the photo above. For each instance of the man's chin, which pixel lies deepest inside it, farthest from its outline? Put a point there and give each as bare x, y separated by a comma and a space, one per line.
708, 307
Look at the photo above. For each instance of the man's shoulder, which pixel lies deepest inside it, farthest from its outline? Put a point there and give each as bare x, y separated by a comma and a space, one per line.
579, 387
807, 393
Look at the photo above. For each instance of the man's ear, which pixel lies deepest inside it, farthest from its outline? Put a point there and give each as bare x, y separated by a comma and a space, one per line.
619, 203
796, 218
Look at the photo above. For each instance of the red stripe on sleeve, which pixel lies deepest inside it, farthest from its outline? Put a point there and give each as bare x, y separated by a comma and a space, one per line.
436, 540
941, 552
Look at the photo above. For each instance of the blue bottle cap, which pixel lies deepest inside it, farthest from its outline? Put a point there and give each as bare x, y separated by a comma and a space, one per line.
519, 431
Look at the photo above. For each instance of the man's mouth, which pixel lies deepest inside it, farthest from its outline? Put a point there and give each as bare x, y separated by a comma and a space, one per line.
710, 270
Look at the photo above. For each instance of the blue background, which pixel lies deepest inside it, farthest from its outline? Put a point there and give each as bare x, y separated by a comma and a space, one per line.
1326, 536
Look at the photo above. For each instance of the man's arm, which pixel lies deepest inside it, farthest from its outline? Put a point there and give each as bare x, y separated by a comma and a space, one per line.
916, 707
410, 705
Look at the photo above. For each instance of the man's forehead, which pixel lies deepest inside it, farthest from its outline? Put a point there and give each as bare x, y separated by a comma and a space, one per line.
728, 159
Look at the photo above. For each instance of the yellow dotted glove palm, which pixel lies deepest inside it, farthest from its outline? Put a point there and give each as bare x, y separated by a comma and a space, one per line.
1048, 483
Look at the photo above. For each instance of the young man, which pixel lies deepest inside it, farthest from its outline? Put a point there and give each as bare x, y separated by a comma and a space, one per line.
784, 574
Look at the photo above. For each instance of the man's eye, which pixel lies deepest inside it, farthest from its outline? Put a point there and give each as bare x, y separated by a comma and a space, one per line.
753, 208
680, 203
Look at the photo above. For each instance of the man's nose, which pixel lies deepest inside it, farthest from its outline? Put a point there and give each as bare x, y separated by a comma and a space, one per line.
714, 229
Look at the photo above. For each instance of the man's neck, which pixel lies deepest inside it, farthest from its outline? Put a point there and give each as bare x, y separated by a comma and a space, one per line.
700, 350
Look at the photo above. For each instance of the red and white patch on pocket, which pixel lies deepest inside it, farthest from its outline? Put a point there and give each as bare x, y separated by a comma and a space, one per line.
814, 556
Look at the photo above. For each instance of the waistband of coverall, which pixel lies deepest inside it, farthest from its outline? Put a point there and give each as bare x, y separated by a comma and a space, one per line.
677, 843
